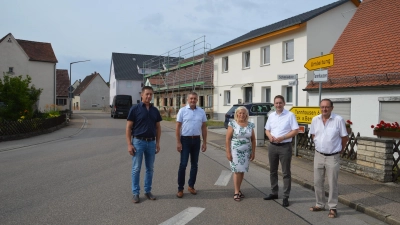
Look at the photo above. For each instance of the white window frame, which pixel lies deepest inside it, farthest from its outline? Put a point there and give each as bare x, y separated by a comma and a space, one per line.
246, 59
286, 51
264, 91
264, 61
286, 88
225, 64
227, 97
209, 100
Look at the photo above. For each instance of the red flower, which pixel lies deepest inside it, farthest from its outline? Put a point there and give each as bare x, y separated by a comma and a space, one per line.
372, 126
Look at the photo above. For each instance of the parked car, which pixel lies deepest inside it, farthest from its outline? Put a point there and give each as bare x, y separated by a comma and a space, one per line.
120, 106
254, 110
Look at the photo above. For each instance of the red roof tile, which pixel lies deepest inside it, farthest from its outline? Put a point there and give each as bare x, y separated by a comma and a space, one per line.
62, 82
38, 51
367, 52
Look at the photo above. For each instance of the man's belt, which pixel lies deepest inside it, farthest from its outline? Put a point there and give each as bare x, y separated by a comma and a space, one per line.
280, 144
146, 138
327, 154
192, 137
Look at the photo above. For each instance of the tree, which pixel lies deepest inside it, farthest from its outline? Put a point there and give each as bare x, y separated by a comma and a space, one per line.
18, 96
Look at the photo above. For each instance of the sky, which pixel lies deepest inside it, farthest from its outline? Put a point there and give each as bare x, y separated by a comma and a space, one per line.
92, 30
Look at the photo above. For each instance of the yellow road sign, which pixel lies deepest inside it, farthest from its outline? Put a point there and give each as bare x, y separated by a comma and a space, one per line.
304, 114
319, 62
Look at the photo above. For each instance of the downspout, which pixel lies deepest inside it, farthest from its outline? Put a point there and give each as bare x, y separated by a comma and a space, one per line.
55, 87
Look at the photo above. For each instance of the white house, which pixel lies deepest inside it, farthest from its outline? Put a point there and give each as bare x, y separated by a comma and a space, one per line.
364, 83
92, 93
246, 68
36, 59
126, 75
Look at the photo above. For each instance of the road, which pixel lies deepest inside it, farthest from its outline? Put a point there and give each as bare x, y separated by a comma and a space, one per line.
85, 179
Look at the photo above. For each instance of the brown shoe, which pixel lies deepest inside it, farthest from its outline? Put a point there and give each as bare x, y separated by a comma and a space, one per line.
192, 190
179, 194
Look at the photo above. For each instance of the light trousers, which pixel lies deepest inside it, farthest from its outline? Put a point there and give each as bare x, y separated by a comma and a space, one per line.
330, 166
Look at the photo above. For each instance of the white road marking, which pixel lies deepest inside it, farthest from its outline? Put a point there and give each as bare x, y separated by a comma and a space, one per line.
184, 217
224, 178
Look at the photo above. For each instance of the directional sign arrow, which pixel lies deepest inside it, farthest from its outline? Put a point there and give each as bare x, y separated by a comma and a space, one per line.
319, 62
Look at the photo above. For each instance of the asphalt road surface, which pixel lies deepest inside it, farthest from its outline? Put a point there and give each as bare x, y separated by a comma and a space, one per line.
86, 179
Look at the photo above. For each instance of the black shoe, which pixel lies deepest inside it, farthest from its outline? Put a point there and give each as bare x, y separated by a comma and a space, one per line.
270, 197
285, 202
135, 199
150, 196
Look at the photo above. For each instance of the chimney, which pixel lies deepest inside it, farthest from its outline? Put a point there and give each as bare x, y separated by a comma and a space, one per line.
79, 80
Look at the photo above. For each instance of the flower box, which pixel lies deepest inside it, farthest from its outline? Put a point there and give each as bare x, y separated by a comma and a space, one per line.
386, 133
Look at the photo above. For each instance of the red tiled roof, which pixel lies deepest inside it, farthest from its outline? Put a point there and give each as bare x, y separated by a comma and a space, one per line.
38, 51
156, 81
62, 82
367, 52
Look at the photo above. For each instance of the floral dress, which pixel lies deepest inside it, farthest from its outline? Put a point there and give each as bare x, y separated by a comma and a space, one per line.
241, 146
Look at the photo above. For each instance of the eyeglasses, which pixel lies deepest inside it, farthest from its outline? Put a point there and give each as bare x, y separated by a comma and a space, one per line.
325, 107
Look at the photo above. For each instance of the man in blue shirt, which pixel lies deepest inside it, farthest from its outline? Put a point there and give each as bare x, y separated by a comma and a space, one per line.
143, 133
190, 124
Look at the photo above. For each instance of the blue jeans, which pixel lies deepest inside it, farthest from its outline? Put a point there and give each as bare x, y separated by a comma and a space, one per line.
148, 149
190, 146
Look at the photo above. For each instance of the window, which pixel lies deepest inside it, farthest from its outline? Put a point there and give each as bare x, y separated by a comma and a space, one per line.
158, 101
170, 101
165, 102
183, 99
343, 109
289, 94
288, 50
61, 101
11, 70
267, 94
129, 84
201, 101
227, 97
225, 64
209, 100
246, 60
178, 100
389, 109
265, 55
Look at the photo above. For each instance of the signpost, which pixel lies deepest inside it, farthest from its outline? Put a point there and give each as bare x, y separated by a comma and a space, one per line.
293, 77
321, 76
304, 114
323, 61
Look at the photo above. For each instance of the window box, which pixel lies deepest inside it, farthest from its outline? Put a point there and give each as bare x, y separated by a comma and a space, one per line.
386, 133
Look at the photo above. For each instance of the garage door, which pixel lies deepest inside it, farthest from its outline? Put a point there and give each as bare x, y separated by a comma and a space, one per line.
390, 111
342, 109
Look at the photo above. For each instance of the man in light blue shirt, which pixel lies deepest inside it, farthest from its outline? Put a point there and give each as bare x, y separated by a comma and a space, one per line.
190, 124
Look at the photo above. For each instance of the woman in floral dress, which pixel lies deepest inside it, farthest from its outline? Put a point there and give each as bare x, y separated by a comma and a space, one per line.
240, 147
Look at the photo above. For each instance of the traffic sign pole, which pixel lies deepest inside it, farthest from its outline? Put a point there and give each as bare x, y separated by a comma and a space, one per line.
297, 102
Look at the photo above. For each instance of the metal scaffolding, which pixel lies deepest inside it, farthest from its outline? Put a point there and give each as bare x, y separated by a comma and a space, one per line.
178, 72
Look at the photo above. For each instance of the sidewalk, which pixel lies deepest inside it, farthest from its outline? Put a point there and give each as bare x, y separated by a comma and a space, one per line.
379, 200
376, 199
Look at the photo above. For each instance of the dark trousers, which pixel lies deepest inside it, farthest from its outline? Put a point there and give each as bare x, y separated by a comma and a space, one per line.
281, 154
190, 147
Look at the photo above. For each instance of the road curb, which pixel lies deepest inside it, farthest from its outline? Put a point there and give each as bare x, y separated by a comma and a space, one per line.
377, 214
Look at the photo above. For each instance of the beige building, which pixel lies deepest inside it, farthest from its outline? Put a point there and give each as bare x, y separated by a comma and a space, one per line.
36, 59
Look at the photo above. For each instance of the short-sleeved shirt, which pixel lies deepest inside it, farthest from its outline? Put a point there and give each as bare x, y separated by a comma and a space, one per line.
281, 124
144, 121
192, 120
328, 137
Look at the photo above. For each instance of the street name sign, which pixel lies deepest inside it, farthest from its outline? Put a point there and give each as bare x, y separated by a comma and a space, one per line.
320, 62
292, 83
287, 76
321, 76
304, 114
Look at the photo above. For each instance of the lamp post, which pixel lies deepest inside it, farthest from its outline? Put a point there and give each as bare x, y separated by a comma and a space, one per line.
70, 86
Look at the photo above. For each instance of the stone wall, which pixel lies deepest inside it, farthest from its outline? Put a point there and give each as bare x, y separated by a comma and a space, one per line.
374, 159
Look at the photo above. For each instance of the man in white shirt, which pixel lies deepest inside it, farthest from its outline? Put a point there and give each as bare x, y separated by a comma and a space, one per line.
280, 128
329, 133
190, 124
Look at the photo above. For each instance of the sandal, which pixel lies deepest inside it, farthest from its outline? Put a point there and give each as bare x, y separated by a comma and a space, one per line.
332, 213
241, 194
316, 209
236, 197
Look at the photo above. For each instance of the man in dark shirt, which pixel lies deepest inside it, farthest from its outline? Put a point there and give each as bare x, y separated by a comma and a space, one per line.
143, 133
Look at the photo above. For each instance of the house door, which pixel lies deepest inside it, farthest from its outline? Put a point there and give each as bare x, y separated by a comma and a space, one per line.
248, 94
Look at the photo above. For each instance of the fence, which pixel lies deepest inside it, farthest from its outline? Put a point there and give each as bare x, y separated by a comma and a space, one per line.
373, 158
13, 129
